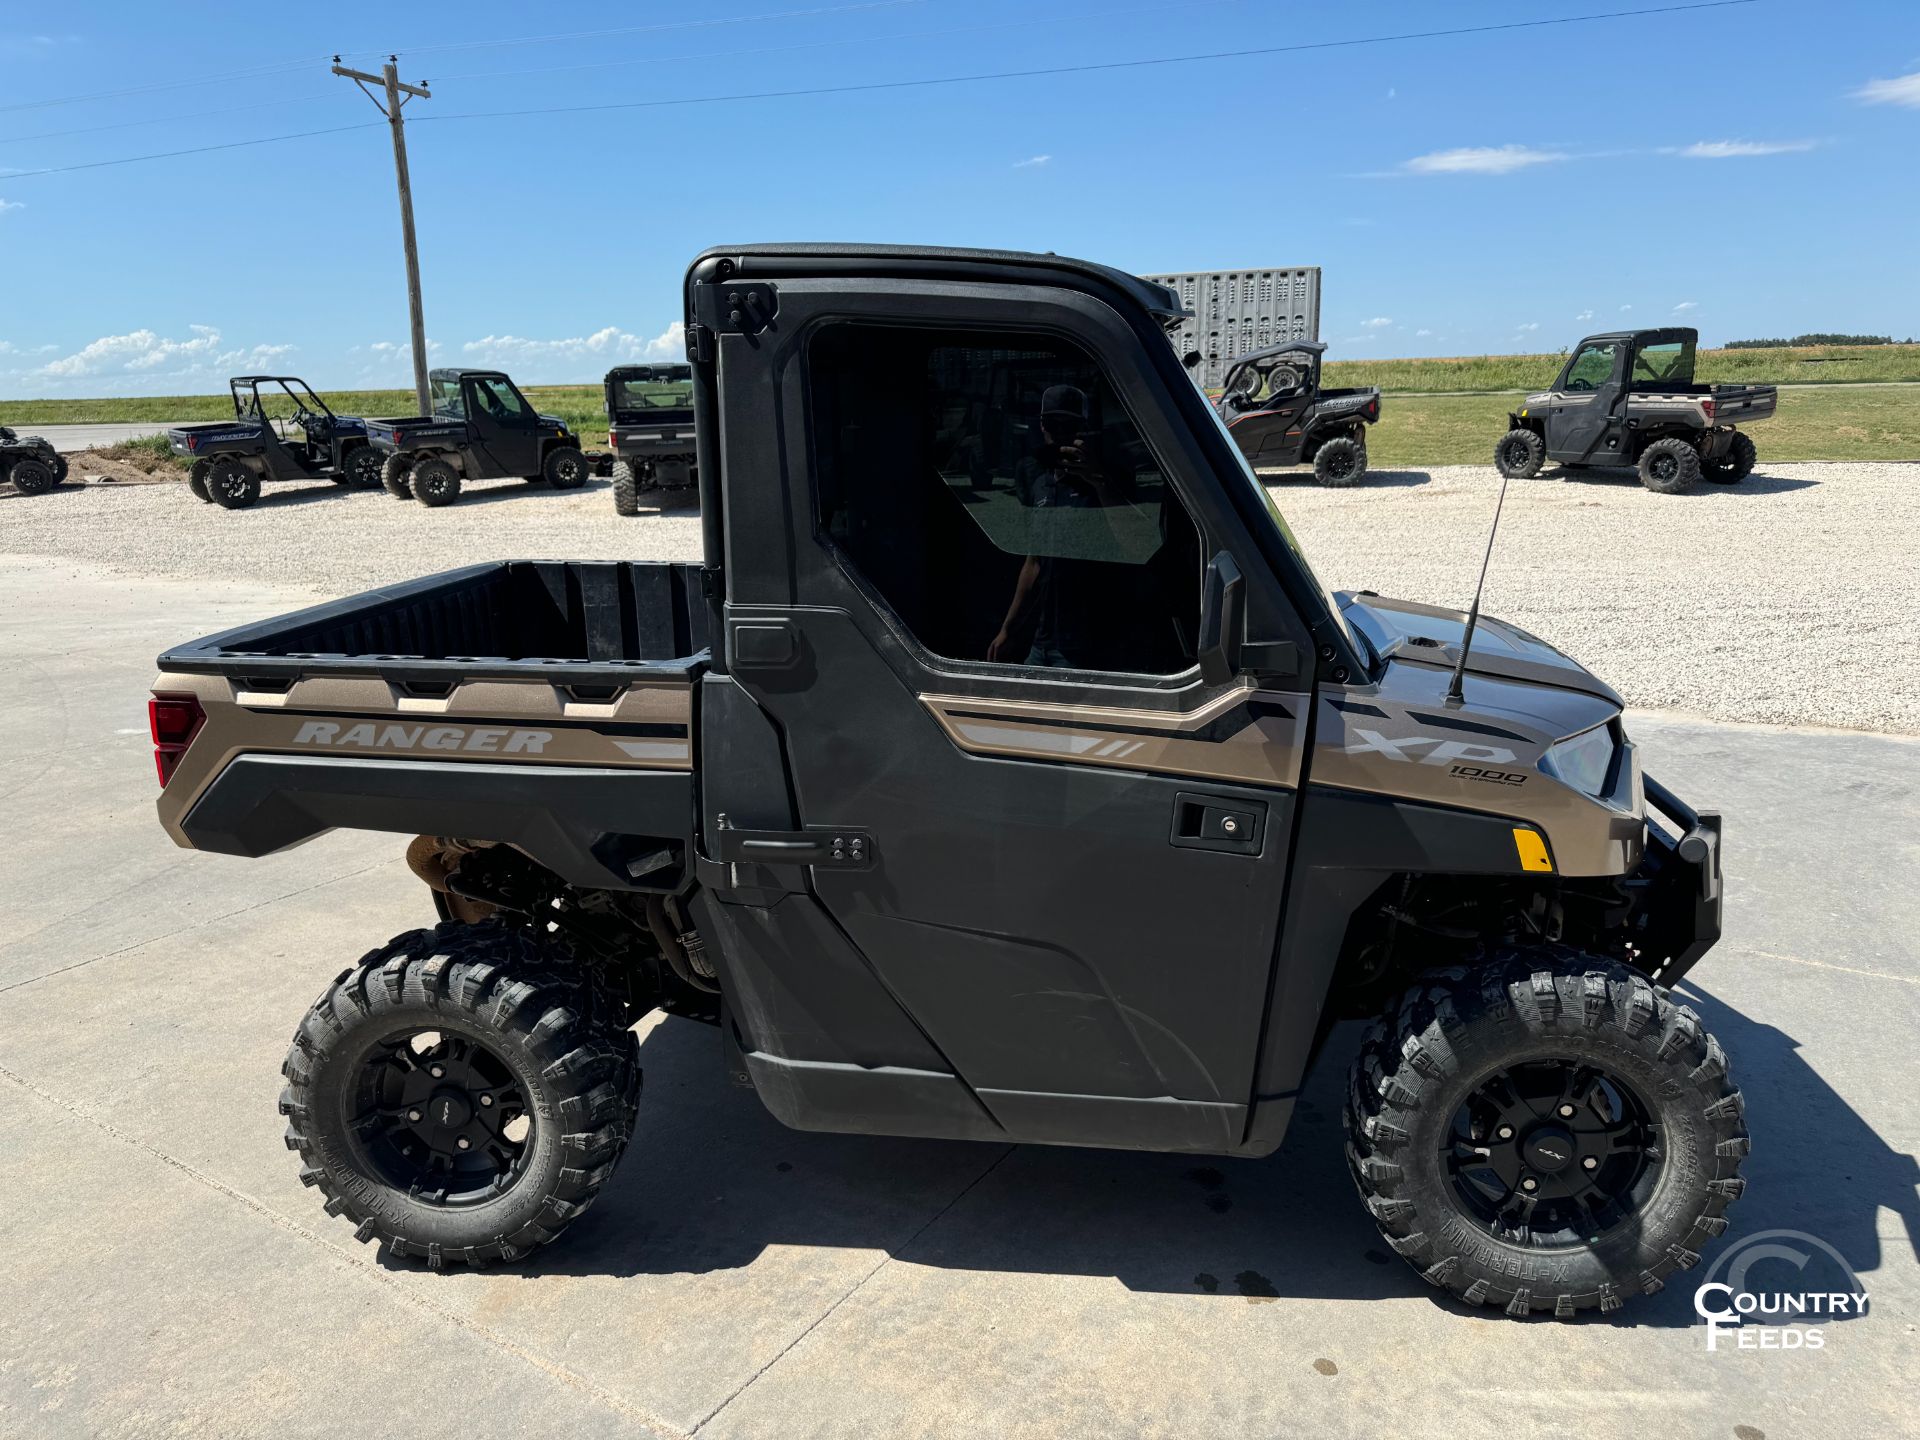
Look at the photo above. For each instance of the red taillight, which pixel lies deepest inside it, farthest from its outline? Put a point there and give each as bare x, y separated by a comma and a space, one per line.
1706, 408
193, 442
613, 441
173, 720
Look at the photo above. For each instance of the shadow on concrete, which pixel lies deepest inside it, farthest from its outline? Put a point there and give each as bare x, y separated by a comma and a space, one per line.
712, 1180
1373, 479
1757, 483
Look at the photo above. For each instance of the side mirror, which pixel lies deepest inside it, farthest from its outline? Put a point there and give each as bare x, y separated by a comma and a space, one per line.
1223, 620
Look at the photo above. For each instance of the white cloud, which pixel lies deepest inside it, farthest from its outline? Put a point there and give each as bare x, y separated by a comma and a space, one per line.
609, 344
1031, 161
143, 362
1481, 160
1741, 149
1625, 308
1686, 305
1530, 325
1378, 322
1422, 334
1584, 315
6, 205
138, 350
1901, 90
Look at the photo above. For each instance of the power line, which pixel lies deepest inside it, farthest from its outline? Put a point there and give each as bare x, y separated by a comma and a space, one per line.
1089, 68
706, 24
281, 68
162, 119
881, 85
911, 37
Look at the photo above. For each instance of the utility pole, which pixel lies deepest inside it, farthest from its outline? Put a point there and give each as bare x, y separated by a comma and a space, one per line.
395, 95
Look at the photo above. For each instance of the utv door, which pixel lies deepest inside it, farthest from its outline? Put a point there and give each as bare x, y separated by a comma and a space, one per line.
1584, 425
1272, 433
506, 431
994, 866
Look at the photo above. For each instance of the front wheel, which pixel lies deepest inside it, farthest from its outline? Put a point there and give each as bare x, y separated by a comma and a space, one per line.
197, 481
1340, 461
395, 477
1520, 454
461, 1094
565, 468
626, 490
32, 477
1545, 1131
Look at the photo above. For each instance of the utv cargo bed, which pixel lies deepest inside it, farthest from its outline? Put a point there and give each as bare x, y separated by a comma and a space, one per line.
598, 622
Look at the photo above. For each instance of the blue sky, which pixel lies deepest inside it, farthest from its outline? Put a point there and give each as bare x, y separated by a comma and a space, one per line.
1749, 169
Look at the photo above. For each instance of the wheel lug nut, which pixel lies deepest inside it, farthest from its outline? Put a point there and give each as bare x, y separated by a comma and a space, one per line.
1529, 1184
1506, 1132
1591, 1163
486, 1099
1566, 1111
464, 1143
413, 1114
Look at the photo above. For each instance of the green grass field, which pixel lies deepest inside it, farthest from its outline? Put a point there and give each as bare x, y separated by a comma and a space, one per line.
1826, 423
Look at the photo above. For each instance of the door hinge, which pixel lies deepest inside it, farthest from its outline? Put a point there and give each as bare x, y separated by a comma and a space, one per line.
830, 845
699, 344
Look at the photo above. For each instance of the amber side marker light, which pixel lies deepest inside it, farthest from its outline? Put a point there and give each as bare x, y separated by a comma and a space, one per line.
1532, 850
173, 720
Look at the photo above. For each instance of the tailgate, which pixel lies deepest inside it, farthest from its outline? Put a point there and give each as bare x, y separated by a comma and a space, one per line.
1737, 404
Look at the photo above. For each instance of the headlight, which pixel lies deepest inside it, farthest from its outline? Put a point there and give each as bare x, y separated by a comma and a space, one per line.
1584, 761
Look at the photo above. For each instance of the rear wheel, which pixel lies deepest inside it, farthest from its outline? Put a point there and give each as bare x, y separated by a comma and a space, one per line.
1545, 1131
565, 468
197, 480
361, 468
1667, 467
231, 485
59, 464
1340, 461
626, 490
1736, 464
1520, 454
32, 477
435, 483
461, 1094
395, 472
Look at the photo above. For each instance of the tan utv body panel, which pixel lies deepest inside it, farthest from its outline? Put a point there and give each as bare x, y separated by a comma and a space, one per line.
1397, 739
1654, 405
520, 722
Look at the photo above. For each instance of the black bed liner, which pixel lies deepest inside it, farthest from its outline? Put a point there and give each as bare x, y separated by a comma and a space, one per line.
596, 622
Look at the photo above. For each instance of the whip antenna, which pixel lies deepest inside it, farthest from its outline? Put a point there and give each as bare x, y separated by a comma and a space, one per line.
1454, 693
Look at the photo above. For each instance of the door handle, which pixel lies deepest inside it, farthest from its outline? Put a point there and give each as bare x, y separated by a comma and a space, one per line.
1218, 822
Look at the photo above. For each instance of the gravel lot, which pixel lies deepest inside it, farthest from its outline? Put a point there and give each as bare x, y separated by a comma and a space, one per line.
1789, 599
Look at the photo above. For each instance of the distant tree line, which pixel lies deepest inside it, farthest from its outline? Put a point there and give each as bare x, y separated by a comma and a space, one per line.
1817, 339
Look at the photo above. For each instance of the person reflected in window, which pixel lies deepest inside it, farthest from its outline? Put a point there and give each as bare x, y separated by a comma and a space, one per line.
1074, 622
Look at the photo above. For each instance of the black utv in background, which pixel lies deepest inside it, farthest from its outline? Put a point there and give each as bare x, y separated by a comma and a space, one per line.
1629, 398
1002, 772
482, 428
231, 458
1278, 414
650, 430
31, 463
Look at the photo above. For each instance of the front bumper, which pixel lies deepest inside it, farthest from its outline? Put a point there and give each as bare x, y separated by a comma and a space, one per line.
1677, 917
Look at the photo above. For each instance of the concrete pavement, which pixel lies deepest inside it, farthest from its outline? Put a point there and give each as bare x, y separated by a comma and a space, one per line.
70, 439
165, 1272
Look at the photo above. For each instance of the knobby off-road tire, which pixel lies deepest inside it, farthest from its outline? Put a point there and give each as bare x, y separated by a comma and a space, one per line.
626, 489
231, 485
1736, 464
394, 477
32, 477
1340, 462
521, 1045
60, 467
565, 468
362, 469
1668, 467
197, 481
435, 483
1520, 454
1621, 1047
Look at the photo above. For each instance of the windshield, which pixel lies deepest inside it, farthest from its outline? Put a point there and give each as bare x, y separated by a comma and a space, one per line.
1280, 524
662, 390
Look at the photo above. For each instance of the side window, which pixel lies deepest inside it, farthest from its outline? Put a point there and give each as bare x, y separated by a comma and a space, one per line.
447, 399
1671, 362
1591, 368
497, 398
995, 493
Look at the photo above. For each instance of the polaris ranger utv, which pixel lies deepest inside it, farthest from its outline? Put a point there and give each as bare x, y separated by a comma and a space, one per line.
1075, 819
650, 429
1278, 414
482, 428
31, 463
232, 457
1628, 398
